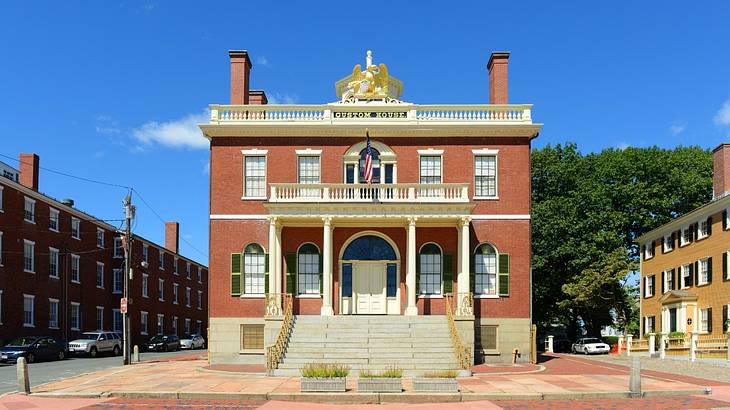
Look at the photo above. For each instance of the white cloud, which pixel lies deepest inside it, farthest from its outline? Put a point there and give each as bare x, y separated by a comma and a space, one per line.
723, 116
278, 98
261, 60
677, 128
206, 168
182, 133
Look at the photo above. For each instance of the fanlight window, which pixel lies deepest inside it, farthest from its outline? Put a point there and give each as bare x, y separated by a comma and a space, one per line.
430, 270
308, 269
369, 248
485, 270
253, 269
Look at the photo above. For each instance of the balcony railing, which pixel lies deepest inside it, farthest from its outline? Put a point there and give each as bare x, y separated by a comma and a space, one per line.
418, 193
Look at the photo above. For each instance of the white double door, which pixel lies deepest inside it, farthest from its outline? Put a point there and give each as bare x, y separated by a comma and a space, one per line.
369, 288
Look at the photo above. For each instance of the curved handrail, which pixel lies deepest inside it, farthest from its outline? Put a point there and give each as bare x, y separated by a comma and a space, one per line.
462, 352
275, 352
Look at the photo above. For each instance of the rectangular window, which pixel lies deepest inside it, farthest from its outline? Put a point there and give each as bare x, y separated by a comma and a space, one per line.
199, 326
668, 280
1, 302
686, 276
187, 326
430, 275
29, 210
145, 285
160, 324
200, 274
703, 229
161, 259
200, 300
1, 248
116, 320
99, 238
28, 311
686, 236
53, 262
52, 313
75, 268
75, 228
143, 320
188, 297
704, 320
118, 250
703, 276
187, 270
252, 336
485, 176
725, 259
100, 275
350, 173
29, 256
174, 325
175, 263
117, 276
668, 243
161, 290
1, 198
174, 293
100, 318
649, 250
308, 273
487, 337
649, 286
391, 280
75, 316
53, 216
255, 177
346, 280
254, 273
649, 324
308, 173
430, 170
146, 253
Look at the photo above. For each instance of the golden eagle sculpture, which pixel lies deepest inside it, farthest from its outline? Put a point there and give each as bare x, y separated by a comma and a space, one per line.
373, 83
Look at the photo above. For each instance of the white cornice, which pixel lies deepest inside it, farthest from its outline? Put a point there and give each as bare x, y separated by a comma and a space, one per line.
696, 215
485, 151
254, 151
308, 151
430, 151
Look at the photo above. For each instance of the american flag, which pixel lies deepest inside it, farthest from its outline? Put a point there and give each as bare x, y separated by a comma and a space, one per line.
368, 171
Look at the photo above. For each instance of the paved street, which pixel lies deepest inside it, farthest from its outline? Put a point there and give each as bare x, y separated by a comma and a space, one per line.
45, 372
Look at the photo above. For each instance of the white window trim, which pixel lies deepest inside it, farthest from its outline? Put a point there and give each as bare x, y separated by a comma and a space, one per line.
727, 275
157, 324
1, 301
200, 270
665, 239
727, 218
2, 201
682, 230
96, 318
700, 279
434, 154
188, 297
114, 311
27, 242
51, 212
1, 250
103, 274
32, 201
161, 259
667, 274
257, 153
58, 314
649, 250
200, 300
646, 287
681, 277
58, 263
699, 233
175, 293
146, 253
121, 288
73, 222
146, 315
699, 325
430, 152
70, 316
161, 290
32, 316
99, 231
114, 251
479, 153
77, 257
485, 151
145, 292
302, 152
175, 262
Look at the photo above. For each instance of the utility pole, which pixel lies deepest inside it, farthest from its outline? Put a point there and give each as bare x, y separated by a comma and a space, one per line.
128, 216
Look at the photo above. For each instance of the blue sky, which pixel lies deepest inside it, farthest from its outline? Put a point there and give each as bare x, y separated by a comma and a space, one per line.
113, 91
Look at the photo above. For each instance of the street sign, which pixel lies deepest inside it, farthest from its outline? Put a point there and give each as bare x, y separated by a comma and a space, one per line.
123, 305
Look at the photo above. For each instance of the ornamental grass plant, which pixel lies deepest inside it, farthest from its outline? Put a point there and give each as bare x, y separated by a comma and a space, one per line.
390, 372
324, 370
443, 374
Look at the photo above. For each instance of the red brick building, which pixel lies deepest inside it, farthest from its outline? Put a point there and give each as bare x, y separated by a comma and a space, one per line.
447, 210
61, 270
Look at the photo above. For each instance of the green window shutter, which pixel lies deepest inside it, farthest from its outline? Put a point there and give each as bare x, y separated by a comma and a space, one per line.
418, 274
709, 269
709, 320
448, 276
236, 274
266, 273
503, 274
321, 275
291, 273
472, 273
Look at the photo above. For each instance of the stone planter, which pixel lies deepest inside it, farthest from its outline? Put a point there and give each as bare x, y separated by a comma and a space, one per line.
380, 385
322, 384
449, 385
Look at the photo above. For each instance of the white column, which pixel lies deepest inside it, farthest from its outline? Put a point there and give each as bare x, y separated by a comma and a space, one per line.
629, 340
550, 346
692, 346
411, 309
277, 262
662, 345
463, 277
327, 269
652, 344
272, 255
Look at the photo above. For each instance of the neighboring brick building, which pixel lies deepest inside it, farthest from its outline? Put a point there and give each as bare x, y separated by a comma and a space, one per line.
448, 210
61, 270
685, 280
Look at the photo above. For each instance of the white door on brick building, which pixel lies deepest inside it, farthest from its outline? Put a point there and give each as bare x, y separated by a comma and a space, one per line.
369, 288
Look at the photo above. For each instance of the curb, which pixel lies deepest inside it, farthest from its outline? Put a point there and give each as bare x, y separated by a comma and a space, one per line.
376, 398
227, 373
540, 368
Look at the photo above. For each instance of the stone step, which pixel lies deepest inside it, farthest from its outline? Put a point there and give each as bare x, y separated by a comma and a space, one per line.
423, 367
356, 372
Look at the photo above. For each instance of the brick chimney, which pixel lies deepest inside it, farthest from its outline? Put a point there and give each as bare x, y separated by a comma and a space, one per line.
257, 97
172, 236
721, 170
29, 164
497, 67
240, 73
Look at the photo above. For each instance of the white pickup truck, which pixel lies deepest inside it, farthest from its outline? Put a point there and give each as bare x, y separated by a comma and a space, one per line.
93, 343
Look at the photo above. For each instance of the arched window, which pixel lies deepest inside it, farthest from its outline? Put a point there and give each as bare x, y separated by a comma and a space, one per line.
430, 270
485, 270
254, 261
376, 165
369, 248
308, 270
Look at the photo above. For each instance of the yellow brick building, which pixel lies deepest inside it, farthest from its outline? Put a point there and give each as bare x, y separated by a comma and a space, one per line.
685, 275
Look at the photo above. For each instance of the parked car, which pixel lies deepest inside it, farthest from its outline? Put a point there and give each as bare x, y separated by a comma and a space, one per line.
163, 343
192, 342
590, 345
33, 348
94, 343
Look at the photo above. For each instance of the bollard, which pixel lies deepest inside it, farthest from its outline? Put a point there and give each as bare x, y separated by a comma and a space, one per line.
620, 344
652, 344
692, 346
23, 380
635, 377
551, 346
135, 354
662, 345
727, 346
629, 339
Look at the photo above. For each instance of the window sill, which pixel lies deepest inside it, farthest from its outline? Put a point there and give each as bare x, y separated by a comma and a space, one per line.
76, 329
490, 352
143, 333
27, 325
485, 198
700, 238
252, 296
486, 296
309, 296
253, 198
99, 287
117, 292
54, 277
76, 282
53, 230
251, 351
118, 256
30, 222
76, 237
53, 327
430, 296
29, 271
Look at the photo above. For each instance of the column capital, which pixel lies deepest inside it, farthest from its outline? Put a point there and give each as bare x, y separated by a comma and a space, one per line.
327, 220
464, 220
273, 219
412, 220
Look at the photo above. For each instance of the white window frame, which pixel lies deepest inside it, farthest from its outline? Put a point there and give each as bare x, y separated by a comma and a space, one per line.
684, 268
175, 322
703, 274
146, 253
188, 296
649, 250
2, 199
703, 229
117, 273
145, 285
51, 324
187, 325
161, 290
200, 269
53, 260
199, 326
1, 301
77, 316
54, 215
76, 228
648, 292
77, 260
255, 153
1, 248
99, 238
175, 262
121, 320
29, 203
683, 234
727, 262
175, 293
484, 152
98, 265
144, 322
32, 310
667, 275
668, 243
160, 324
100, 309
440, 273
32, 256
118, 250
187, 270
200, 300
704, 320
727, 220
430, 154
161, 259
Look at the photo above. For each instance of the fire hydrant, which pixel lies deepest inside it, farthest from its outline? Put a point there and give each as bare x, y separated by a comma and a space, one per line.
515, 355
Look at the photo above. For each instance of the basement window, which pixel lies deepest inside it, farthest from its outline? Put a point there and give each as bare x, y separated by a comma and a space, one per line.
487, 337
252, 336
